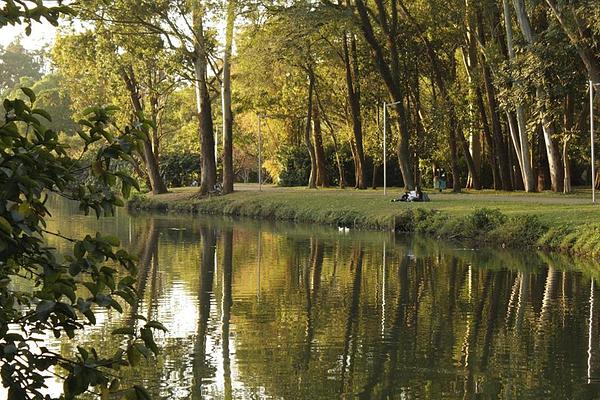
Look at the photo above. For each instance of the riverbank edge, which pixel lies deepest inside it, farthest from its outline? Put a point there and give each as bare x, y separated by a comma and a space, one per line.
487, 226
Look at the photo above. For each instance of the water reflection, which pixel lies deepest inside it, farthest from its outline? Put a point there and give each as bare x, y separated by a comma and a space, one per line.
258, 310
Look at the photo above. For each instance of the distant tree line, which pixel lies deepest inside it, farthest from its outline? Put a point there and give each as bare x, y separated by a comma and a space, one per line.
492, 91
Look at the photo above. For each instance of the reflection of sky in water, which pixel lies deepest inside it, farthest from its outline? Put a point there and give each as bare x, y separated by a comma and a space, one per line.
317, 315
177, 302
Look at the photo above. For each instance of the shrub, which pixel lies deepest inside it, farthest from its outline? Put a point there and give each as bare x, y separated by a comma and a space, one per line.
179, 169
484, 220
521, 231
296, 166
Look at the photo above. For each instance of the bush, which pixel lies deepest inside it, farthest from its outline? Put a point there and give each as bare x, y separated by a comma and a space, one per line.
521, 231
484, 220
179, 169
296, 163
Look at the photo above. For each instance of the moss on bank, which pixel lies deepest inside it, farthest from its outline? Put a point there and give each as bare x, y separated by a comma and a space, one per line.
478, 225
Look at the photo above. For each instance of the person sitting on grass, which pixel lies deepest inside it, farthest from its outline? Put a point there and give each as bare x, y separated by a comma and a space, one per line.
413, 195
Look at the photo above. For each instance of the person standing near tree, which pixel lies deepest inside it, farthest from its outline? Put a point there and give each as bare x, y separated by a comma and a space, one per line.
442, 180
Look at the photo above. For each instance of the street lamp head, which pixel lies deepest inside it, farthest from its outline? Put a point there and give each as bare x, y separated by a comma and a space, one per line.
391, 104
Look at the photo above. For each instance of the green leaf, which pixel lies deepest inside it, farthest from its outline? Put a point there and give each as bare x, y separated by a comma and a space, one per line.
79, 250
43, 113
84, 353
127, 330
5, 226
156, 325
148, 338
29, 93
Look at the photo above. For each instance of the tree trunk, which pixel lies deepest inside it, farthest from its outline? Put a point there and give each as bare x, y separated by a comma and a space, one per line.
208, 171
437, 69
318, 145
470, 62
403, 148
456, 184
226, 101
312, 179
356, 163
390, 80
374, 177
498, 142
158, 186
342, 179
543, 175
568, 128
519, 132
353, 92
487, 134
473, 172
547, 125
152, 169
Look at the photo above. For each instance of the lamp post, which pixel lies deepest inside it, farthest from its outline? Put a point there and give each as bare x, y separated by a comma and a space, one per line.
259, 156
385, 106
592, 141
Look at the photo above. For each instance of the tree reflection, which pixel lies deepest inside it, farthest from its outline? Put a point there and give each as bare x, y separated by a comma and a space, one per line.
201, 366
226, 304
445, 322
350, 344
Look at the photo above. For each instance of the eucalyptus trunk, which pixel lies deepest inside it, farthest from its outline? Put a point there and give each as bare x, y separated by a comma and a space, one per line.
390, 75
226, 101
470, 61
208, 171
490, 91
157, 184
312, 179
568, 127
338, 162
318, 144
547, 124
519, 132
353, 93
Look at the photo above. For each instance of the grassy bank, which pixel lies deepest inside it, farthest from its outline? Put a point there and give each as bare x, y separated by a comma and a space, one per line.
560, 222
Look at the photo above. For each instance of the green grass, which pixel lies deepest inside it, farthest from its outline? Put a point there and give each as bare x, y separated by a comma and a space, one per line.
564, 222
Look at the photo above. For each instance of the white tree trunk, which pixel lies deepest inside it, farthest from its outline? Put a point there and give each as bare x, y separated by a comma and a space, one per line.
547, 126
208, 171
520, 139
226, 101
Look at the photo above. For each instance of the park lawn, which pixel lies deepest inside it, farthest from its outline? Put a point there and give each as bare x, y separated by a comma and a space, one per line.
323, 205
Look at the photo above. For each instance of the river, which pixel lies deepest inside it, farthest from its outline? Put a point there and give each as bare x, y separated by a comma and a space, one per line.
259, 310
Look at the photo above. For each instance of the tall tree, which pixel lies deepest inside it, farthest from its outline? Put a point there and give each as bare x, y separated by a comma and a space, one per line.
576, 21
134, 67
390, 71
16, 63
541, 95
226, 100
519, 135
312, 179
353, 89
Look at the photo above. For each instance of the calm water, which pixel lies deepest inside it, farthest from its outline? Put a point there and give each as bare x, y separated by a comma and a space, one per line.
265, 311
